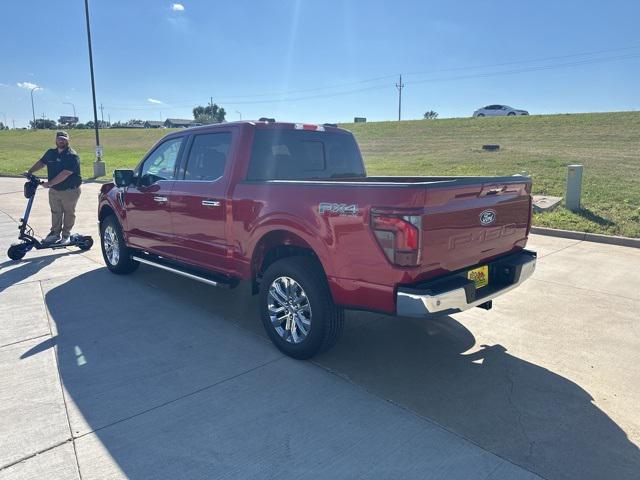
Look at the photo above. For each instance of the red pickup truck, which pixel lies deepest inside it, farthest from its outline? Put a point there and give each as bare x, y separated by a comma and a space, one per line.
290, 208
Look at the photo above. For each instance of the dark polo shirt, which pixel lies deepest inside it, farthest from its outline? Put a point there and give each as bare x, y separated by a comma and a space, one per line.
58, 161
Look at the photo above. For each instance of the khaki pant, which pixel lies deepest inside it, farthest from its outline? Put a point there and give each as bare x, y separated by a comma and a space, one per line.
63, 210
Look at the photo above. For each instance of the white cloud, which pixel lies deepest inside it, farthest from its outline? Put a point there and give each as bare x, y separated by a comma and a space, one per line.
153, 100
3, 85
27, 85
177, 7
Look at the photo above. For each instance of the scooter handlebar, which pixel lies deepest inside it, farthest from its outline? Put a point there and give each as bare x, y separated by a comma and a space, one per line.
33, 178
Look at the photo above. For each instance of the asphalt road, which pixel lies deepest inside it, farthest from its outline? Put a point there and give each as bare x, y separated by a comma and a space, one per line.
156, 376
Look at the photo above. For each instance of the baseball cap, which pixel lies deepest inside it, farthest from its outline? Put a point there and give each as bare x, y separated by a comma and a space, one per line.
62, 134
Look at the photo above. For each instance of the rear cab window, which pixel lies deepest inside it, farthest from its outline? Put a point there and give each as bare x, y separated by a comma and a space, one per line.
280, 154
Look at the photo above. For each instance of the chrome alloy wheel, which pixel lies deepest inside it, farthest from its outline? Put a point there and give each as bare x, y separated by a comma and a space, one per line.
289, 309
111, 245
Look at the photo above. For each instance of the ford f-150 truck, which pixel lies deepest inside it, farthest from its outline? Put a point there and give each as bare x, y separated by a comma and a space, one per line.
289, 207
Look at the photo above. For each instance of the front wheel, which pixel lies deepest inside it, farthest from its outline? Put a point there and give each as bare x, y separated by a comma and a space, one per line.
511, 114
114, 251
297, 310
17, 252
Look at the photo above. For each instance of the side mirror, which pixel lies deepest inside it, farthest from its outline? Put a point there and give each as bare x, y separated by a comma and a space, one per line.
123, 178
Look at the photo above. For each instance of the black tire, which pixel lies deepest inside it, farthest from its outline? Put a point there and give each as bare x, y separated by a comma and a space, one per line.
17, 252
481, 115
511, 114
86, 244
122, 263
326, 319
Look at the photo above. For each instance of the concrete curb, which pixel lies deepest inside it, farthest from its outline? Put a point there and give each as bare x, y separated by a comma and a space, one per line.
589, 237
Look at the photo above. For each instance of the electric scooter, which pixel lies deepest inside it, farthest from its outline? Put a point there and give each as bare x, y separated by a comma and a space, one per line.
27, 239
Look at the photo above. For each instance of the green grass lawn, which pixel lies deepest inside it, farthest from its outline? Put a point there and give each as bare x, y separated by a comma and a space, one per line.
607, 144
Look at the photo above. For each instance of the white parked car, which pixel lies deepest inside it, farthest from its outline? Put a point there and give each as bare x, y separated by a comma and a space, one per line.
498, 111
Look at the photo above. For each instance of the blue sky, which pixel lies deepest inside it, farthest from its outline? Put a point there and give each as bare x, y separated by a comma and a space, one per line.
319, 61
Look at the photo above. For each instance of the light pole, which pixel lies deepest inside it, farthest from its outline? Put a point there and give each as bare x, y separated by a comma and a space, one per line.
33, 110
239, 114
74, 107
99, 167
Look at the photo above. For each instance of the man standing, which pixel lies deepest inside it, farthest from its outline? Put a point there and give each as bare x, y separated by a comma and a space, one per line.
64, 180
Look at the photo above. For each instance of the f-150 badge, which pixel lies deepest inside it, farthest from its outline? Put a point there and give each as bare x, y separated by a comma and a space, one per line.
339, 208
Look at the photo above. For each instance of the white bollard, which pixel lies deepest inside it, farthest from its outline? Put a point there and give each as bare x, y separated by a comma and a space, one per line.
574, 187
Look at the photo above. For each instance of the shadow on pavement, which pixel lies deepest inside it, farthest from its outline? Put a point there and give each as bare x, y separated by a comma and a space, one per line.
126, 347
509, 406
13, 272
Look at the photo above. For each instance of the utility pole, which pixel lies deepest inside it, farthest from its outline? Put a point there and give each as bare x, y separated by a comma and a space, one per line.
13, 120
101, 114
109, 116
99, 168
400, 86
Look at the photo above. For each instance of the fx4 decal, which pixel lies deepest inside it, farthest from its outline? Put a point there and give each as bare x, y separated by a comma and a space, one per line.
339, 208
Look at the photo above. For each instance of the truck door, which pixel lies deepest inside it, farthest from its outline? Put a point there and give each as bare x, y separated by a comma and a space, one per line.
198, 202
147, 202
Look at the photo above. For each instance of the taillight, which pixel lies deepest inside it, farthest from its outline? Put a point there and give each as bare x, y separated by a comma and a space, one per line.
399, 237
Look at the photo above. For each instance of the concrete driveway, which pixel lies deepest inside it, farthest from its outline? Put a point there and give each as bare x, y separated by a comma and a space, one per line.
155, 376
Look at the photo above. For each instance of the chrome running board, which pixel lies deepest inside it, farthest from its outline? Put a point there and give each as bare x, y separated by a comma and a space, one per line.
209, 279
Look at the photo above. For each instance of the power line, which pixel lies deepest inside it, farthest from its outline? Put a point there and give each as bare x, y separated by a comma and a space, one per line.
587, 61
527, 69
533, 60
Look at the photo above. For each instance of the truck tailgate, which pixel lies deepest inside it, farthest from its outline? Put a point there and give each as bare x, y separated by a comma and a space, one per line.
465, 225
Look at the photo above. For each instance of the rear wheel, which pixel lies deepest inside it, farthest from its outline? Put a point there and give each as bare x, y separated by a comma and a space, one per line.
115, 252
511, 114
86, 244
297, 310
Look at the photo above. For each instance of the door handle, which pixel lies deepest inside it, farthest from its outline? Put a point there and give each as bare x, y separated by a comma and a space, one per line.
160, 199
211, 203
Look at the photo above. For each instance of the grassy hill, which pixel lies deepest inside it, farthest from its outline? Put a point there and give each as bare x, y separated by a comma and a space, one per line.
607, 144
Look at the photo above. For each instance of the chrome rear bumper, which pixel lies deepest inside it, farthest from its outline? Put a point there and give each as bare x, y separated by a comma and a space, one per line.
456, 294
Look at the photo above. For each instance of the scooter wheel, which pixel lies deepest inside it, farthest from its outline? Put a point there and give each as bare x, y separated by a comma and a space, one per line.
86, 244
16, 252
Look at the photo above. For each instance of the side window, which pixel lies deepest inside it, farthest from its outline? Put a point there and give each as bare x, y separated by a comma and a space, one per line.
160, 165
208, 156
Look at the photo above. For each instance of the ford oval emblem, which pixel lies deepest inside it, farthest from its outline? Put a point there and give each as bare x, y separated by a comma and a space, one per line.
487, 217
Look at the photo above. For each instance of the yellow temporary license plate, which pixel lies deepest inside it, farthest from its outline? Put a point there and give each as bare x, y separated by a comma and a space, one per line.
480, 276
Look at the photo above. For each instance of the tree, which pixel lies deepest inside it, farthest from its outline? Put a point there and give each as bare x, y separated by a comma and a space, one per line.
430, 115
43, 123
209, 114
